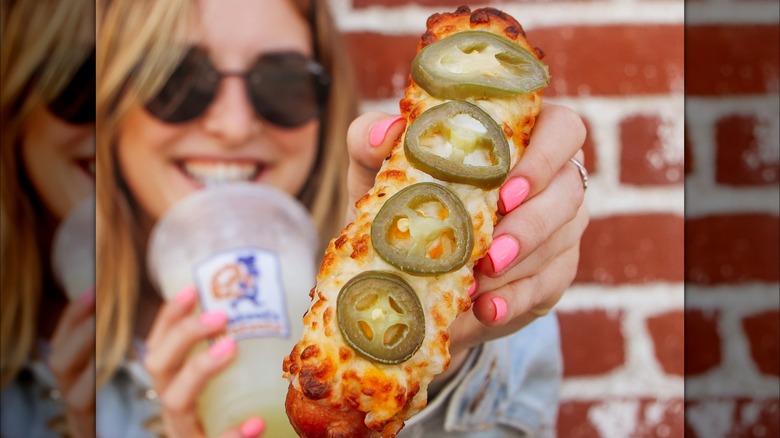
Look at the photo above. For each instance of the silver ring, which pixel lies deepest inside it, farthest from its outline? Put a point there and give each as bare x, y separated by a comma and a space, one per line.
583, 173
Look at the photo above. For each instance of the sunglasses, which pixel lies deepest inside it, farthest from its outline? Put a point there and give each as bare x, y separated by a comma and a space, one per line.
285, 88
76, 102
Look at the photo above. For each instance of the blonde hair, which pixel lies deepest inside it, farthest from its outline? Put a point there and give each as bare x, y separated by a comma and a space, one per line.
42, 47
138, 47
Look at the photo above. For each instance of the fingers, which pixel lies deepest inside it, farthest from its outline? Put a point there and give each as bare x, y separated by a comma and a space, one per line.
518, 303
562, 240
558, 134
521, 231
181, 395
167, 353
171, 312
369, 141
73, 342
251, 428
70, 356
73, 314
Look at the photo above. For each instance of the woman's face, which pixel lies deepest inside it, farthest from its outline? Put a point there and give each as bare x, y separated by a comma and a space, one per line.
59, 159
163, 162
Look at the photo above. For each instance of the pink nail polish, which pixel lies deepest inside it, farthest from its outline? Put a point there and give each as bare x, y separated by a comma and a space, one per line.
253, 427
213, 319
513, 193
500, 305
501, 253
473, 288
223, 347
379, 131
186, 295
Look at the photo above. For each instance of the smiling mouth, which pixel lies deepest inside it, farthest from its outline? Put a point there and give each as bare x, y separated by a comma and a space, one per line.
209, 172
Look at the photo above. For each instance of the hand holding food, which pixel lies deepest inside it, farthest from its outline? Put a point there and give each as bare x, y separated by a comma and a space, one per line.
394, 280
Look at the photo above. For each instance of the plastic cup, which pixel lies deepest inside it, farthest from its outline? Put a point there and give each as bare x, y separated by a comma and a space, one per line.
73, 250
249, 250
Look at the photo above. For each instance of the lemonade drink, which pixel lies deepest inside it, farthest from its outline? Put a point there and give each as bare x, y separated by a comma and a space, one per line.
249, 253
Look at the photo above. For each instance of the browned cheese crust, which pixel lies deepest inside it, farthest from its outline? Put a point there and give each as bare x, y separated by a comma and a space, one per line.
322, 368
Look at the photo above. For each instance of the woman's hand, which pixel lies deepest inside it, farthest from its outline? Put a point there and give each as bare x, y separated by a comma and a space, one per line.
180, 377
71, 361
535, 251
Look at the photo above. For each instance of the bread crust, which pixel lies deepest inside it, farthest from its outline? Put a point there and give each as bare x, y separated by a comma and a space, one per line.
330, 384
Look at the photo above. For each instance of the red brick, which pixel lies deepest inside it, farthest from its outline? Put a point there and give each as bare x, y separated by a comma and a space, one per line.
703, 350
654, 418
667, 331
591, 341
731, 59
748, 417
763, 333
613, 59
638, 248
737, 248
642, 156
573, 420
765, 424
739, 160
381, 63
589, 149
669, 423
630, 65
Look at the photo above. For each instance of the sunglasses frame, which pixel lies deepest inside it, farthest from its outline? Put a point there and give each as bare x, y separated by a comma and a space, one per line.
320, 77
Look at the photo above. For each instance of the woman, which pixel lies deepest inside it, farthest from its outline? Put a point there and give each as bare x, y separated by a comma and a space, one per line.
154, 149
47, 129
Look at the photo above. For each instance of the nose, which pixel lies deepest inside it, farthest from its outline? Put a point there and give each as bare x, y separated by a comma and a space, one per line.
231, 117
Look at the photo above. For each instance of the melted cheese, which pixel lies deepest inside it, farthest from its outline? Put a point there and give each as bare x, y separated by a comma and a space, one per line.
321, 365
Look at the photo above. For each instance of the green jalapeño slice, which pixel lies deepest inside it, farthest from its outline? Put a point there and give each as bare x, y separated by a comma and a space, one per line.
381, 317
424, 229
478, 64
458, 142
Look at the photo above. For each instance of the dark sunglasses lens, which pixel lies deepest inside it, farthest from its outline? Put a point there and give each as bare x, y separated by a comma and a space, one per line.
76, 102
188, 91
284, 90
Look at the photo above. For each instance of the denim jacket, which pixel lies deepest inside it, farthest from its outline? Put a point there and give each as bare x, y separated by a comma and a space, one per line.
508, 387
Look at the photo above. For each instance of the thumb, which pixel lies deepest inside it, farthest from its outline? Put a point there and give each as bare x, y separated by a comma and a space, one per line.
369, 141
251, 428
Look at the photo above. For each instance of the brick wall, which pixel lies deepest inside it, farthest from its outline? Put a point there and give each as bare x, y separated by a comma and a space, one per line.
732, 228
621, 64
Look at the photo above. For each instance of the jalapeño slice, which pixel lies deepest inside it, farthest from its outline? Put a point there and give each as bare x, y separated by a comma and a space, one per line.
478, 64
380, 316
458, 142
424, 229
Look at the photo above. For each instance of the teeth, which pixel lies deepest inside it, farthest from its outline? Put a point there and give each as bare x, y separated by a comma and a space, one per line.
220, 172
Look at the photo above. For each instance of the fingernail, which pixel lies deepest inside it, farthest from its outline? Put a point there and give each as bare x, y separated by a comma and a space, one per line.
500, 305
253, 427
473, 288
223, 347
513, 193
88, 296
213, 319
501, 253
186, 295
379, 131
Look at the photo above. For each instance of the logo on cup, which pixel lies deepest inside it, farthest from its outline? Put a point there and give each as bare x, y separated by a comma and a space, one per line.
246, 284
237, 281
